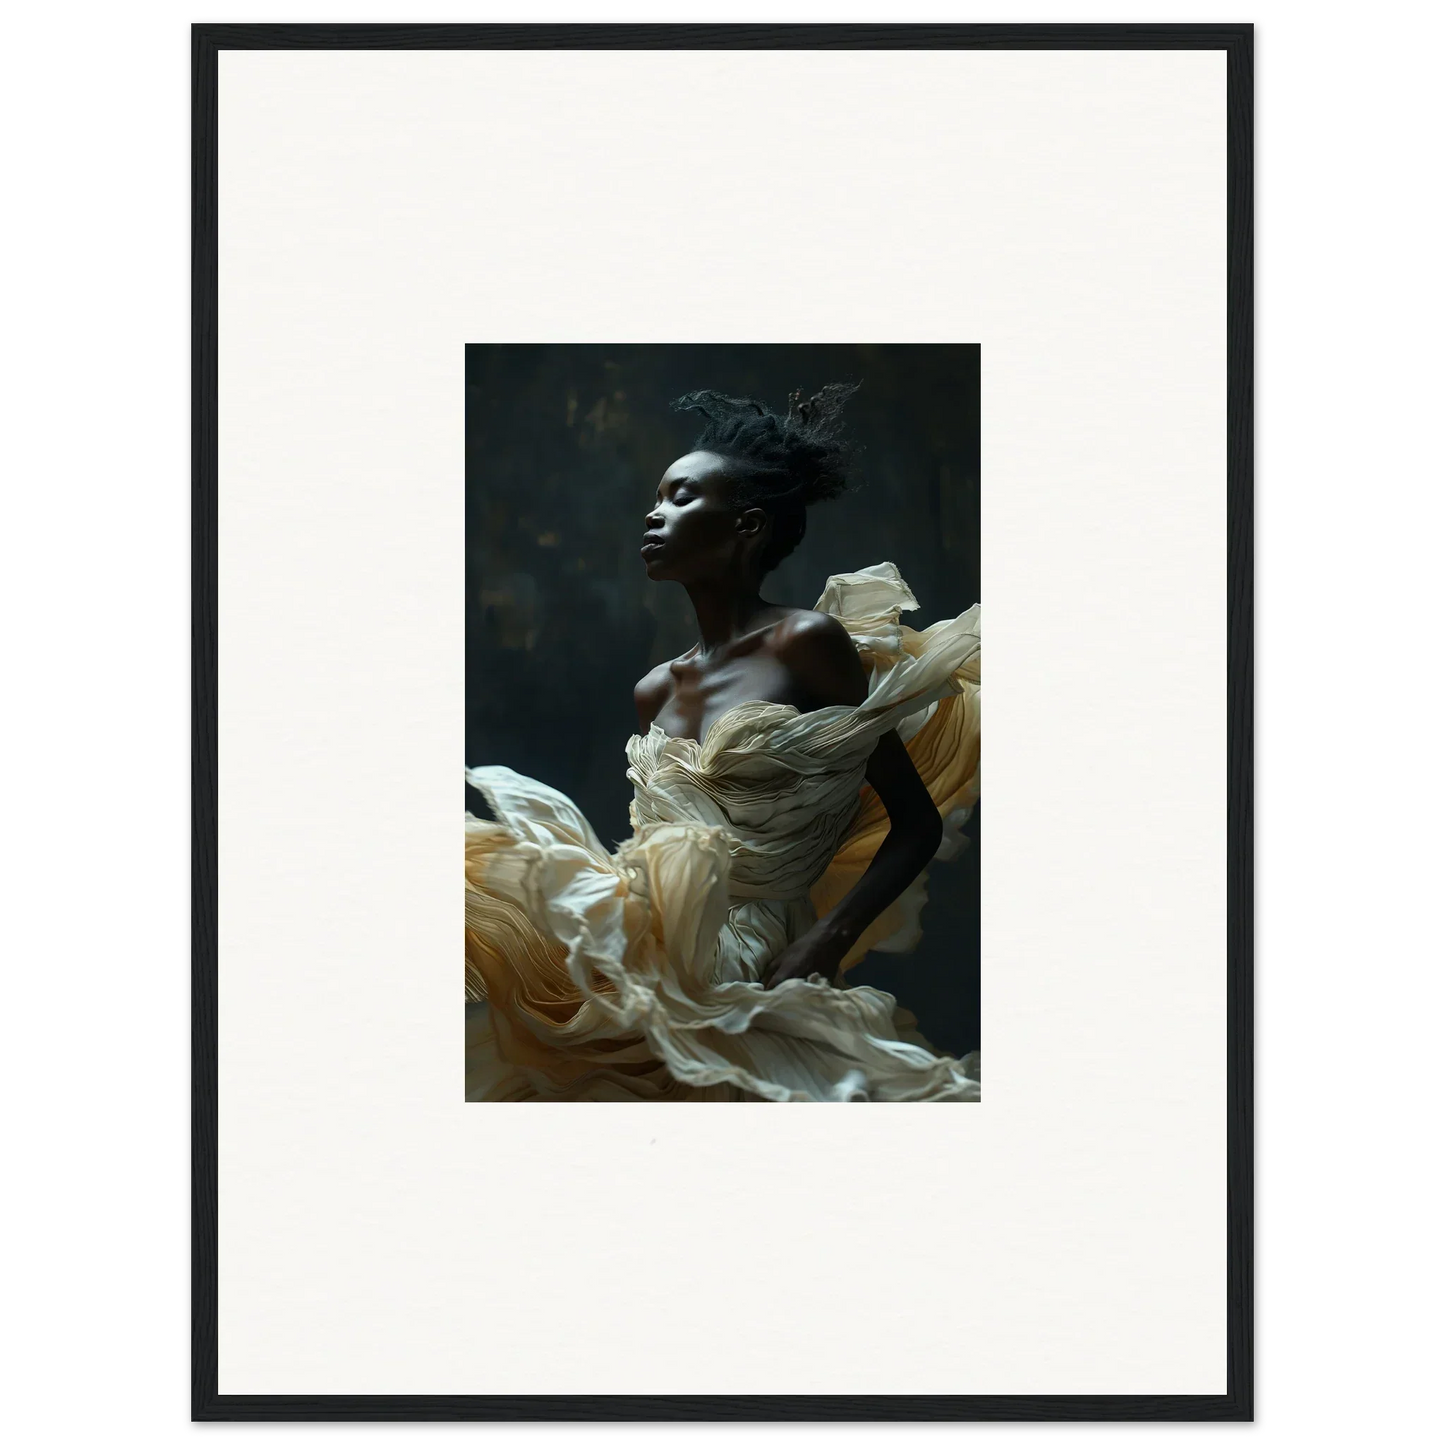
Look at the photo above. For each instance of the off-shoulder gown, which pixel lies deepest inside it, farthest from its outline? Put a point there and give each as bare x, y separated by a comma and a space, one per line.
634, 974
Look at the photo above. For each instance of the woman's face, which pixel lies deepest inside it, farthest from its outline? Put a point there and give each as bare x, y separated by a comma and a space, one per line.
695, 533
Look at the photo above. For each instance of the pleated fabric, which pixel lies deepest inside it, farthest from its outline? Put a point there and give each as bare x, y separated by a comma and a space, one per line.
634, 974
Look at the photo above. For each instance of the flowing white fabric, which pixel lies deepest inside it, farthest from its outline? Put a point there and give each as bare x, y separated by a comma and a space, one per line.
634, 974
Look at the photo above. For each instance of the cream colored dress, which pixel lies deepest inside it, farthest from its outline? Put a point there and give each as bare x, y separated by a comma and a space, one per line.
635, 974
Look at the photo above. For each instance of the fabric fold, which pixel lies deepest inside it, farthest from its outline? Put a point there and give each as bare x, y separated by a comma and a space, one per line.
635, 974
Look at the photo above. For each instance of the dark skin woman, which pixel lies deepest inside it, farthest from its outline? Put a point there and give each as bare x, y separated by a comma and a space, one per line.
722, 519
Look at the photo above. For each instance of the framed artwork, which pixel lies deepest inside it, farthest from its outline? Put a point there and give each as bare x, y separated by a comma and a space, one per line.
633, 418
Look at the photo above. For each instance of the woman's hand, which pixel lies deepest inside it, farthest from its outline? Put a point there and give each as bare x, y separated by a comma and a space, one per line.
813, 953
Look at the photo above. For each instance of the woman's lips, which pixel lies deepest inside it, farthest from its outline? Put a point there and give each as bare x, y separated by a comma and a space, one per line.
651, 544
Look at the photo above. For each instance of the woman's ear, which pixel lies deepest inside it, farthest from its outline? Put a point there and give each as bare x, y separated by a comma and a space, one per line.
752, 522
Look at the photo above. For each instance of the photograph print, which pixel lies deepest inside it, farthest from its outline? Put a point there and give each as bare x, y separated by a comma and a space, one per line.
722, 723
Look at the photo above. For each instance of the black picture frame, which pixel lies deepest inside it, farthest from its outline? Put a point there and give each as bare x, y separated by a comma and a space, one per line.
1236, 1403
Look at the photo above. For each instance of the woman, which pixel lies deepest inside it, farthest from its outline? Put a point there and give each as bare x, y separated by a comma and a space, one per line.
794, 772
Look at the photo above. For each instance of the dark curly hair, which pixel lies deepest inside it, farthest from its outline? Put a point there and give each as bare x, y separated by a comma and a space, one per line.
784, 463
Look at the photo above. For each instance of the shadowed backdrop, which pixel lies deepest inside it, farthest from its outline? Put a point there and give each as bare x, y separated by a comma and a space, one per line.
564, 449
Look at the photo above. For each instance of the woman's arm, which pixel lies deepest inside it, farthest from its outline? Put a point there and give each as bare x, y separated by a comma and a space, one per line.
915, 829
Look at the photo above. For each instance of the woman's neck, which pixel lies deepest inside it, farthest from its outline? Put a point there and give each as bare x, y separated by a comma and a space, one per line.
725, 612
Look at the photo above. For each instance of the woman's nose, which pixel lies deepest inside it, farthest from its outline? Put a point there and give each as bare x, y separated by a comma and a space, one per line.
652, 519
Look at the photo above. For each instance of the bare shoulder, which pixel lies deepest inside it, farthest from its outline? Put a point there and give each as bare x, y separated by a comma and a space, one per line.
819, 651
803, 632
651, 693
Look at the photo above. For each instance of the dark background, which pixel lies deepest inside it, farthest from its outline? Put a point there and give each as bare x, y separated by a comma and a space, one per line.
564, 449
